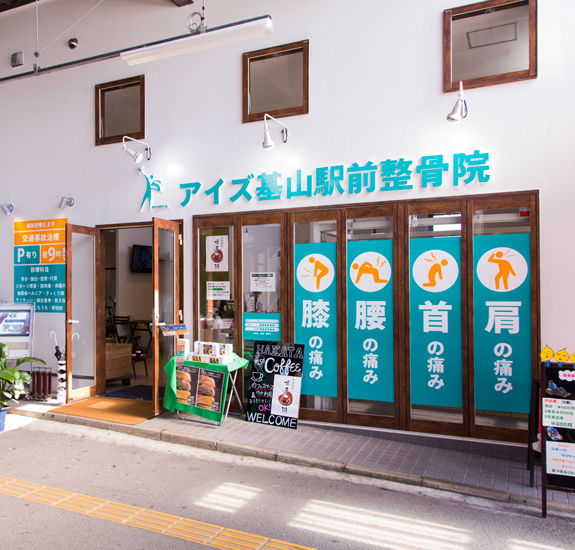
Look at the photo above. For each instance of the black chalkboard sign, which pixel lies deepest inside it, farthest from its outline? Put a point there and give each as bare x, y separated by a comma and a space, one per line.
557, 429
275, 384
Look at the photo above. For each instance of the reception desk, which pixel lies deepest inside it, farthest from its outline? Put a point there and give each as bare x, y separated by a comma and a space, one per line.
201, 389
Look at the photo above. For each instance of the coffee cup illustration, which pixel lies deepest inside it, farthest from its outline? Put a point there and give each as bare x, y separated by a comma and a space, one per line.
217, 256
286, 399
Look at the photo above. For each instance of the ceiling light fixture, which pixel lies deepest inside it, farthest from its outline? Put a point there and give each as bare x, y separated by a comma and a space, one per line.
65, 201
167, 47
459, 112
136, 155
7, 208
38, 51
200, 40
268, 142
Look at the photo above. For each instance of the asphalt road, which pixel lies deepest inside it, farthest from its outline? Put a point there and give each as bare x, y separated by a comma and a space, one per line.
299, 505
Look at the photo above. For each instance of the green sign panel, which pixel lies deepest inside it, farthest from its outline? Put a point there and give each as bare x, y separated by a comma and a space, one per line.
262, 326
44, 285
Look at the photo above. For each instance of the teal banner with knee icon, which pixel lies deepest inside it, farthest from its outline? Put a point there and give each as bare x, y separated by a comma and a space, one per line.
315, 316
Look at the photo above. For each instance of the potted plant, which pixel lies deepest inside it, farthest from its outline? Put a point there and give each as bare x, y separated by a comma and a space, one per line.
12, 380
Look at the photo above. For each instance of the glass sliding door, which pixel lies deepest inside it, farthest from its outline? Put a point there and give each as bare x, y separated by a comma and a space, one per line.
261, 282
317, 312
436, 309
84, 335
419, 315
165, 273
215, 295
370, 328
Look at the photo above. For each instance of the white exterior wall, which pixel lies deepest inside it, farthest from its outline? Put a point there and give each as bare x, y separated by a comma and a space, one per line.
375, 93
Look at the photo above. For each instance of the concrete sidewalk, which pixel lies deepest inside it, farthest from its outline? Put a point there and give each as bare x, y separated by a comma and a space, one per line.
485, 469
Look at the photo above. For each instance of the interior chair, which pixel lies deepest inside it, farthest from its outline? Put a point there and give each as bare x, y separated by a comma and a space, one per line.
145, 348
123, 327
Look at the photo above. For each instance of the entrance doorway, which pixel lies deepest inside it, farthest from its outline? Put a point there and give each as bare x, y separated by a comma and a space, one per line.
124, 279
129, 291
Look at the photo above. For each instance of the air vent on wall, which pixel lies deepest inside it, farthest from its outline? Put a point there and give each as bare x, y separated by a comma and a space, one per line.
492, 35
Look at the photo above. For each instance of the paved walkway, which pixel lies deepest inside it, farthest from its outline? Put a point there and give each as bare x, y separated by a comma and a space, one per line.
485, 469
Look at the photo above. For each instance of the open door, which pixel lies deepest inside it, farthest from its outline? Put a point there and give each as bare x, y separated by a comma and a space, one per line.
84, 317
166, 271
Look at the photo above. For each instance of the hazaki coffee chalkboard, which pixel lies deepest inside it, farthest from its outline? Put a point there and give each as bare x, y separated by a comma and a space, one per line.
275, 384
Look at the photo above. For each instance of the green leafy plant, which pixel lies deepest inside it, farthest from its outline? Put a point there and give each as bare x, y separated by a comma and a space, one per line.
12, 379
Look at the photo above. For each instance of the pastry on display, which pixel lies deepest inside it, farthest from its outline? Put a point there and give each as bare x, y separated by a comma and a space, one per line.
206, 391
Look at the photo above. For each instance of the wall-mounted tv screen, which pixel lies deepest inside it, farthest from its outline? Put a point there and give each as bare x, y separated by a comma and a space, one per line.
14, 323
141, 259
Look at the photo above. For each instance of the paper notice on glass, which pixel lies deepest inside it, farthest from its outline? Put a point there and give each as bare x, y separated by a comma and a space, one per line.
217, 253
218, 290
262, 282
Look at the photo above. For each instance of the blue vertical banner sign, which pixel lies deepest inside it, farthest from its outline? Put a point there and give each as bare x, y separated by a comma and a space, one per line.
370, 363
435, 328
315, 313
502, 322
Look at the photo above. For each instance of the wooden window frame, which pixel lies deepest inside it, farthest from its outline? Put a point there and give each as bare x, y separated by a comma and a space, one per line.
475, 9
276, 51
100, 109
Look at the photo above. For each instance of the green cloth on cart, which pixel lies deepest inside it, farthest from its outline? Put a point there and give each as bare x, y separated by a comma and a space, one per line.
216, 373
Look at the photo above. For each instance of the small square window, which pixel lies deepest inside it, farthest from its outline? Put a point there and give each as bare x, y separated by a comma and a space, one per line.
275, 81
120, 110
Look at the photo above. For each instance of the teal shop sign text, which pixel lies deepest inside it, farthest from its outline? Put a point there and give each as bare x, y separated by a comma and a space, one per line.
367, 179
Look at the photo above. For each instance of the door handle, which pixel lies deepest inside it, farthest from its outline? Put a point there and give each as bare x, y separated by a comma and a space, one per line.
72, 321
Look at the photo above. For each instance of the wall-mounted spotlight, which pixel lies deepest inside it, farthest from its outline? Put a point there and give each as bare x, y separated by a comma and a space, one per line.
7, 208
268, 142
65, 201
459, 112
136, 155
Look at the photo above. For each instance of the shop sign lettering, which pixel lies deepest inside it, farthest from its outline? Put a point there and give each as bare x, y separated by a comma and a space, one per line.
369, 178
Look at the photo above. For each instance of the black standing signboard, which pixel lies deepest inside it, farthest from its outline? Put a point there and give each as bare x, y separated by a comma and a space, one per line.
557, 429
275, 384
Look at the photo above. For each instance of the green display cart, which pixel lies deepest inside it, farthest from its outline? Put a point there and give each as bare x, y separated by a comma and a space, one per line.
201, 389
